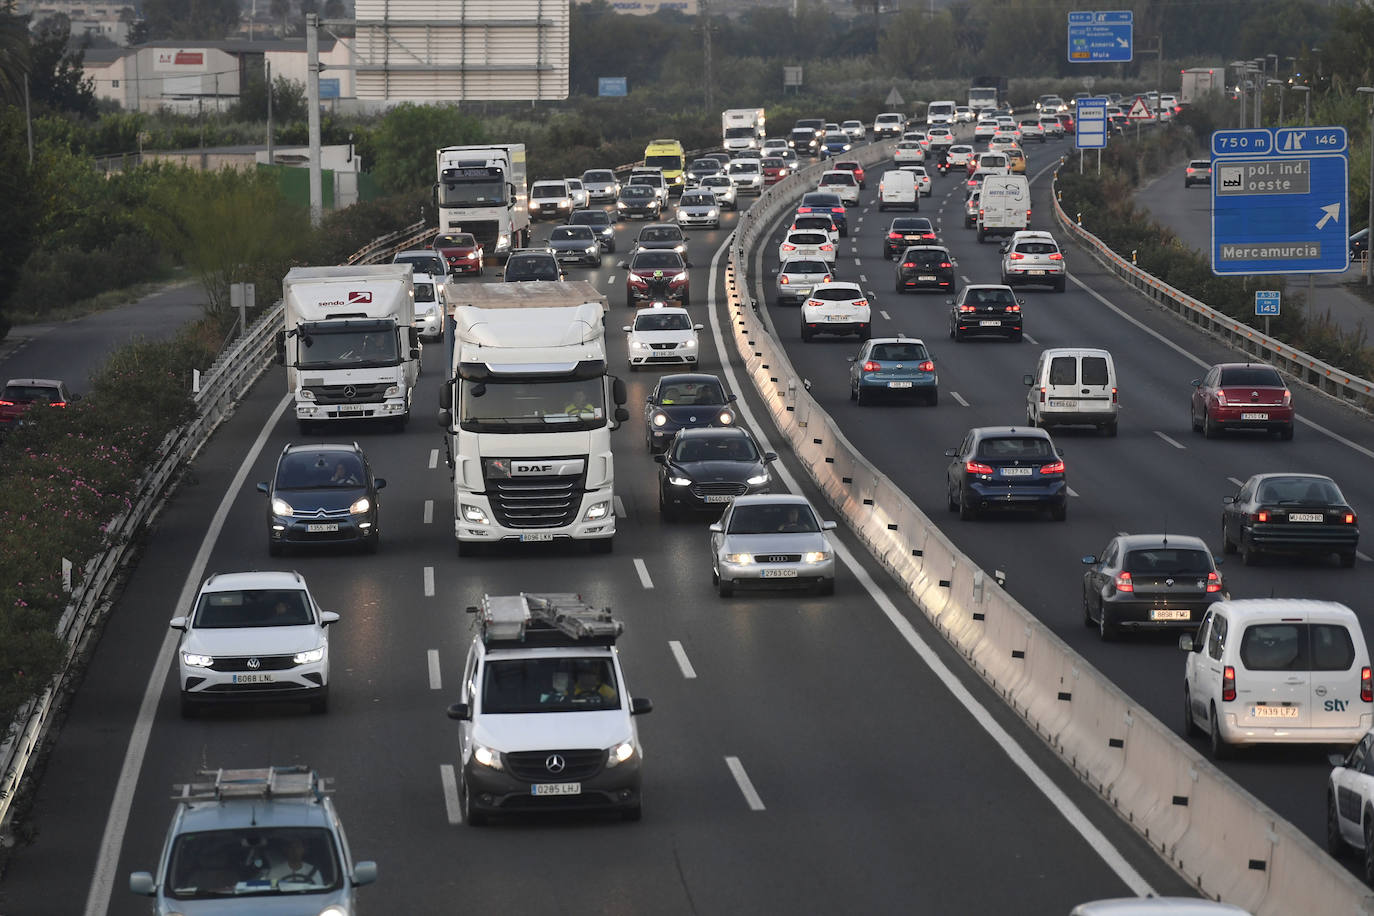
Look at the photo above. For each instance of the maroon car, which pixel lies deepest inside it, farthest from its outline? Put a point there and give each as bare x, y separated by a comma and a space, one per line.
1242, 396
461, 250
21, 394
656, 275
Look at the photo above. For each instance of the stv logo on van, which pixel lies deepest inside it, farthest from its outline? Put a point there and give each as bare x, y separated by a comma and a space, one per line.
1335, 705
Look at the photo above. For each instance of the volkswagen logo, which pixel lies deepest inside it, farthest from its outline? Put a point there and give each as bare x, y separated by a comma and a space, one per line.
254, 664
350, 392
692, 419
555, 763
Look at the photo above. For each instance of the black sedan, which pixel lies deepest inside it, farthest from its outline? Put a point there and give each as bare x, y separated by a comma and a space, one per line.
1291, 514
704, 469
1359, 244
985, 309
925, 267
685, 401
1006, 467
322, 494
1149, 581
638, 202
906, 231
576, 243
661, 237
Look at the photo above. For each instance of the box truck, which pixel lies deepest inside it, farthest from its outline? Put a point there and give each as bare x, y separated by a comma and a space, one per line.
483, 190
742, 129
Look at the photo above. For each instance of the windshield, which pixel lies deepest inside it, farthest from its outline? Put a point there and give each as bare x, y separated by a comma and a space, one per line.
424, 292
531, 406
598, 176
422, 263
571, 233
805, 267
253, 608
705, 164
28, 394
545, 191
1013, 448
735, 133
662, 321
697, 200
561, 684
661, 234
784, 518
715, 181
253, 861
807, 238
741, 167
537, 267
312, 470
714, 448
667, 163
460, 240
636, 192
590, 218
472, 192
656, 260
321, 348
691, 393
836, 294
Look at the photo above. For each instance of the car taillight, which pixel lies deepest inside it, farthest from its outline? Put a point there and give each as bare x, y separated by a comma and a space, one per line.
1213, 582
1228, 683
827, 248
1054, 467
787, 246
816, 303
1349, 518
977, 467
1260, 516
1366, 690
1016, 256
1221, 398
782, 278
1287, 397
826, 279
57, 403
860, 303
1056, 257
1113, 394
871, 366
967, 308
1014, 307
1123, 583
908, 264
1028, 213
926, 366
894, 235
6, 403
929, 236
980, 212
803, 209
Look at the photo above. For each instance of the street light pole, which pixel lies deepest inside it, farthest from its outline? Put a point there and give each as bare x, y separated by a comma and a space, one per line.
1307, 104
1278, 84
1369, 274
1239, 67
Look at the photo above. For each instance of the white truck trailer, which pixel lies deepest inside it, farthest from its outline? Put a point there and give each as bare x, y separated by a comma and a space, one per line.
483, 190
742, 129
349, 343
1197, 82
527, 412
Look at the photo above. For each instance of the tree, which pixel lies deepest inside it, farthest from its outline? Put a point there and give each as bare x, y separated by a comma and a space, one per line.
404, 143
56, 78
14, 53
191, 19
23, 205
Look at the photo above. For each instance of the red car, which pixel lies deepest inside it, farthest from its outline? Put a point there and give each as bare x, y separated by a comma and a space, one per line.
849, 165
1242, 396
774, 169
461, 250
656, 275
1066, 119
21, 394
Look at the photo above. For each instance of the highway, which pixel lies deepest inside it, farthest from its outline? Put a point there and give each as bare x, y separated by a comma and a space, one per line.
805, 754
1156, 476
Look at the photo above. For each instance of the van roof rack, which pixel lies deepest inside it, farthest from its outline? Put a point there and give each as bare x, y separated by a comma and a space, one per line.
544, 619
265, 783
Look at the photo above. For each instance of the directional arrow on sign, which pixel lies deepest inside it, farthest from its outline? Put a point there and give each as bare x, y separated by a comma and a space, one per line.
1123, 42
1330, 212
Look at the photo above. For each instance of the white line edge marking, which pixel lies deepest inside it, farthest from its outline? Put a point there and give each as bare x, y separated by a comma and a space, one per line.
683, 662
746, 787
958, 397
1362, 556
1171, 440
433, 458
1095, 839
619, 507
429, 581
1032, 340
1072, 491
112, 841
886, 316
449, 780
429, 512
436, 682
643, 571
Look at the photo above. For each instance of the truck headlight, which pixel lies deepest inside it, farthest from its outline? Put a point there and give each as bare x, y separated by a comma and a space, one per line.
621, 753
598, 511
487, 757
361, 507
281, 507
306, 394
310, 657
392, 391
197, 661
502, 240
475, 515
660, 419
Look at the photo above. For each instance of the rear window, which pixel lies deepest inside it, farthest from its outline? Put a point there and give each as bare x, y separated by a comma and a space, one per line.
1009, 448
590, 218
1063, 370
1300, 490
912, 224
1037, 247
1297, 647
1252, 375
807, 238
899, 352
806, 267
836, 294
1168, 561
844, 178
1094, 370
926, 258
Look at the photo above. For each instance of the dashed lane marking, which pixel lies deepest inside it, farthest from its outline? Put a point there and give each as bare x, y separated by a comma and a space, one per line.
643, 571
958, 397
1169, 439
745, 786
680, 654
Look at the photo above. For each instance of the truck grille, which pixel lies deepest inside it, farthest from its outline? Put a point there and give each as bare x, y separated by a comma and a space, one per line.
349, 394
545, 501
533, 766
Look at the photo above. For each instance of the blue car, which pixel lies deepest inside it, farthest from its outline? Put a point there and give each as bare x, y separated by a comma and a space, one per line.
826, 202
1006, 467
893, 367
836, 145
688, 400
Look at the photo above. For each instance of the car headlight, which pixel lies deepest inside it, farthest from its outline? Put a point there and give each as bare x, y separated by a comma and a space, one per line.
472, 255
565, 202
660, 419
639, 345
281, 506
680, 278
726, 418
306, 658
712, 213
680, 481
487, 757
758, 479
689, 344
593, 249
332, 910
475, 515
393, 391
621, 753
598, 511
361, 507
816, 556
197, 661
739, 559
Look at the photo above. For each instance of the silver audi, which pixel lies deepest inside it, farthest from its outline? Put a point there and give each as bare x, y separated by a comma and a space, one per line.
772, 540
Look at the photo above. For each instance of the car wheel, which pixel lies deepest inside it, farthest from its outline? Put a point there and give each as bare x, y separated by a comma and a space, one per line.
1369, 847
1228, 546
866, 332
951, 500
1106, 631
860, 396
1109, 429
1220, 749
1249, 556
471, 816
853, 391
725, 589
981, 236
805, 334
1190, 729
1347, 560
666, 510
1335, 842
1016, 336
1087, 611
320, 704
1286, 434
1059, 285
632, 814
967, 512
305, 426
1193, 421
933, 397
881, 207
372, 543
1210, 430
629, 301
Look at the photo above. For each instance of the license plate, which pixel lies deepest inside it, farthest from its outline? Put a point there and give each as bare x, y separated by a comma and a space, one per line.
1017, 472
1304, 517
777, 574
1054, 403
899, 384
1036, 273
351, 408
926, 278
322, 527
989, 324
1171, 615
556, 788
836, 317
717, 498
1254, 416
536, 536
1274, 712
252, 679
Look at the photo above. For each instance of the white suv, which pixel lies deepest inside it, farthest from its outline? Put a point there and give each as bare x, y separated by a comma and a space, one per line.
254, 636
836, 308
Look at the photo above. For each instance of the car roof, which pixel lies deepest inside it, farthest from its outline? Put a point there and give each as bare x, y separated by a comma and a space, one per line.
661, 310
839, 284
698, 377
43, 382
1142, 541
987, 286
999, 432
714, 432
940, 248
912, 221
417, 252
268, 578
892, 340
296, 448
1278, 608
647, 226
1243, 366
824, 268
1276, 475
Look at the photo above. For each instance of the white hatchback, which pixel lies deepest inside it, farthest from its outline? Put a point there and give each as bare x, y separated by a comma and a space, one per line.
746, 175
922, 178
843, 183
807, 243
836, 308
909, 151
662, 335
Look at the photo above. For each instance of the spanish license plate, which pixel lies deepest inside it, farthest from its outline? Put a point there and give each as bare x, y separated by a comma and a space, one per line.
1057, 403
556, 788
536, 536
1274, 712
777, 574
1254, 416
926, 278
1036, 273
1017, 472
836, 317
989, 324
1169, 614
321, 527
718, 498
252, 679
899, 384
1304, 516
352, 408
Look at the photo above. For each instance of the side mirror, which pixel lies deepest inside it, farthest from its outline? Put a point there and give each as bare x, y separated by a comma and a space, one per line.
829, 526
264, 488
660, 458
852, 358
698, 327
364, 873
1185, 642
1196, 383
177, 623
618, 392
445, 418
1028, 380
621, 415
328, 617
281, 347
949, 302
141, 883
951, 452
717, 528
379, 483
414, 352
460, 711
769, 456
731, 398
1217, 561
1227, 500
627, 329
687, 262
641, 705
1089, 560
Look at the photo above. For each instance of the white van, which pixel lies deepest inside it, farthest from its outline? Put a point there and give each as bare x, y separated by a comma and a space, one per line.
942, 113
889, 124
1004, 207
1277, 671
898, 189
1073, 386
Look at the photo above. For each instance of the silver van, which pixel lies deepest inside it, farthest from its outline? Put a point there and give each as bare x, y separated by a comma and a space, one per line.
1073, 386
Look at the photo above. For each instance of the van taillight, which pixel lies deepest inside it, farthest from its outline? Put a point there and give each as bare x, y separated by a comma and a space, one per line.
1042, 394
1228, 683
1366, 689
1113, 395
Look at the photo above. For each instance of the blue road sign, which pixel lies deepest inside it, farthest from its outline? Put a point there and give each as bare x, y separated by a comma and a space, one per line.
1279, 201
1266, 302
611, 86
1090, 123
1100, 37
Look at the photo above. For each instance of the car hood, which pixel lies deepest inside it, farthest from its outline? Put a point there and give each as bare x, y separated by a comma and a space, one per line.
312, 499
288, 904
571, 244
666, 245
715, 471
697, 208
252, 640
592, 728
801, 542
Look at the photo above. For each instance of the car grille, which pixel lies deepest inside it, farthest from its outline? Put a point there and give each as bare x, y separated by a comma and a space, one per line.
532, 766
546, 501
320, 513
265, 663
777, 558
663, 346
718, 488
336, 394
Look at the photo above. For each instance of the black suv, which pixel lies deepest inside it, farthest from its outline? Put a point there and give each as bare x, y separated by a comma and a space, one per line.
925, 267
322, 494
532, 264
638, 202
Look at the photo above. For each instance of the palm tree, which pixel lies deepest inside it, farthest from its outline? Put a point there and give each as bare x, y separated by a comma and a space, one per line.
14, 53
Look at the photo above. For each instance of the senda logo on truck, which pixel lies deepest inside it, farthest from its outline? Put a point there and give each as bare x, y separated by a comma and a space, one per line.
357, 297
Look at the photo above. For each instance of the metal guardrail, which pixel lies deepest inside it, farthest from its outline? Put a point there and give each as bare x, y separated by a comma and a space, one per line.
1295, 362
394, 241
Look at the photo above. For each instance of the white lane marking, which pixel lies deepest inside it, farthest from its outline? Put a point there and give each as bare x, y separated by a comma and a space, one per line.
886, 316
112, 840
857, 262
643, 571
862, 278
1033, 341
1071, 813
680, 654
449, 781
1237, 481
619, 508
745, 786
435, 681
429, 512
610, 278
1169, 439
958, 397
963, 279
433, 458
429, 581
1072, 491
1362, 556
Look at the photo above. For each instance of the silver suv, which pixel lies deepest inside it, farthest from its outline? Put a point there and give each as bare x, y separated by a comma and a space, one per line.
798, 276
1033, 257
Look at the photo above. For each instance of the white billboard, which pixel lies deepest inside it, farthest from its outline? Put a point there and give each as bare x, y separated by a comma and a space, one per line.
649, 7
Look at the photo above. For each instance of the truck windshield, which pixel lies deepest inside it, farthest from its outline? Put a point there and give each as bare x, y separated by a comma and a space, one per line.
324, 348
526, 406
734, 133
472, 192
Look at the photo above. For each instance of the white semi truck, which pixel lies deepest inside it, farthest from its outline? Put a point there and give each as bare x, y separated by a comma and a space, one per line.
742, 129
527, 412
483, 190
349, 343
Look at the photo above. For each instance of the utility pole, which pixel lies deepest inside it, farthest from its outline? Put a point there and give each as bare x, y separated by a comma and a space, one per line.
267, 75
705, 16
312, 85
